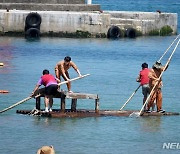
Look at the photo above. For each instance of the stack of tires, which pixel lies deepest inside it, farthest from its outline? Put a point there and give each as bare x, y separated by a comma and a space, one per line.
115, 32
32, 25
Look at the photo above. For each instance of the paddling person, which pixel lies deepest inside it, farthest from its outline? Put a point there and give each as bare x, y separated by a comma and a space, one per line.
51, 86
61, 69
154, 74
144, 81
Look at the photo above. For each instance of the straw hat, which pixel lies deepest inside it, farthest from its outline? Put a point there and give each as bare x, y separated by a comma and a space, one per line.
46, 150
157, 65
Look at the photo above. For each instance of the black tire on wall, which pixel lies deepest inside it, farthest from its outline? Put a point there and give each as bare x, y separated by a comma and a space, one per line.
33, 19
32, 33
114, 32
131, 33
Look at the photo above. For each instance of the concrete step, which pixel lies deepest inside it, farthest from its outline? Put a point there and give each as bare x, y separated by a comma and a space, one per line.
120, 21
133, 15
45, 1
49, 7
117, 21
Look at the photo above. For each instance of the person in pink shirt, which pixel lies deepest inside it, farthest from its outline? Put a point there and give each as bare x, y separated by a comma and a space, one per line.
144, 81
51, 86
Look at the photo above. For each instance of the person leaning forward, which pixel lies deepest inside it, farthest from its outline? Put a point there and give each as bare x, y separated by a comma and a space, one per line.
154, 74
51, 86
61, 69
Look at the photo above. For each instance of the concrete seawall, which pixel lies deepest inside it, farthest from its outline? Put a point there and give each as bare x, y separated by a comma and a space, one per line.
95, 23
145, 22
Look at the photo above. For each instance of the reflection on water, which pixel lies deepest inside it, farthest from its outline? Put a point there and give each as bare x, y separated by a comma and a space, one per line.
150, 124
6, 55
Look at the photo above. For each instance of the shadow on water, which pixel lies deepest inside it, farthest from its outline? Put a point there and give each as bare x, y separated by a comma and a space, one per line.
61, 123
33, 39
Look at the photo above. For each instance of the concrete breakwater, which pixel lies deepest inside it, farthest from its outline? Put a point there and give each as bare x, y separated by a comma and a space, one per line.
88, 23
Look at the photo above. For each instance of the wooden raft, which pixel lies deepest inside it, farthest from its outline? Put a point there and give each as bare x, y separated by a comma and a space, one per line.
74, 96
56, 113
74, 112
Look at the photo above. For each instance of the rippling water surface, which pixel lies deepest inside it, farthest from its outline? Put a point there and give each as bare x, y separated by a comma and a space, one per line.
114, 66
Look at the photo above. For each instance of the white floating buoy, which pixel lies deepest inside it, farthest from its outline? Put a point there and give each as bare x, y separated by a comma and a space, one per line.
1, 64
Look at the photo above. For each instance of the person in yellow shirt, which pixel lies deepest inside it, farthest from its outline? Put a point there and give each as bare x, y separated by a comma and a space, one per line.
61, 69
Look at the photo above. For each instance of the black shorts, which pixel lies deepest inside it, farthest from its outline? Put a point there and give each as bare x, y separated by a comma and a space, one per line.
51, 89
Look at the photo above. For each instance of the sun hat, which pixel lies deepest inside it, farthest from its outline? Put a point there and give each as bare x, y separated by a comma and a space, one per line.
157, 65
46, 150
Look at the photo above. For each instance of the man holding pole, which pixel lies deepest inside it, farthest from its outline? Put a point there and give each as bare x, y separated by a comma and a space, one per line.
154, 75
144, 81
61, 69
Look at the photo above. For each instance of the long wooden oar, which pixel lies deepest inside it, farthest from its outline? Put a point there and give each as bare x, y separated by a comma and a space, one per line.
167, 51
140, 113
130, 97
169, 47
18, 103
79, 77
28, 98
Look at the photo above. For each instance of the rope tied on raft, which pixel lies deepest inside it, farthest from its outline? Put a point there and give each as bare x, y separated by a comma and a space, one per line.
35, 112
